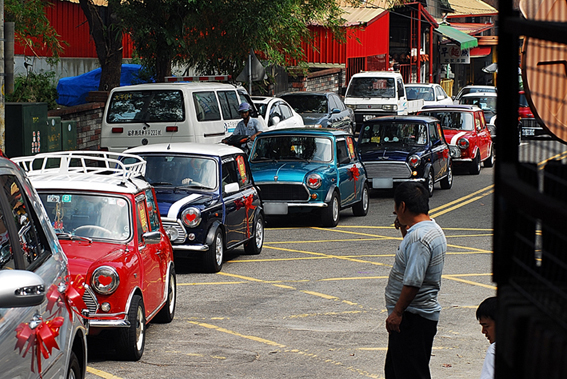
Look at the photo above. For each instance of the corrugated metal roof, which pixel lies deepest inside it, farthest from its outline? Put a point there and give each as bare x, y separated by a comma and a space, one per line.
470, 8
361, 15
471, 28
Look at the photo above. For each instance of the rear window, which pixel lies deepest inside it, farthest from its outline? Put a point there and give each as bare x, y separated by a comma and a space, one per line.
146, 106
452, 120
308, 103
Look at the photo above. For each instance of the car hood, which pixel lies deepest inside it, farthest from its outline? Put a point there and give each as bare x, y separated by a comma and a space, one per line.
313, 118
389, 154
83, 254
170, 202
285, 171
453, 135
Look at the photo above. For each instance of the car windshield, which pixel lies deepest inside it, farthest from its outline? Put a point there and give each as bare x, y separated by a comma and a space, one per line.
392, 133
293, 148
523, 101
88, 215
419, 92
483, 102
452, 120
372, 87
308, 103
181, 171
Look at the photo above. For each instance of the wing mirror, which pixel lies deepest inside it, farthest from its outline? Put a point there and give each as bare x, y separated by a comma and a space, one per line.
152, 237
231, 188
20, 288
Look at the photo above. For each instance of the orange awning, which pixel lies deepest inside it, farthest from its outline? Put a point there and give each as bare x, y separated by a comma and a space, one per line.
481, 51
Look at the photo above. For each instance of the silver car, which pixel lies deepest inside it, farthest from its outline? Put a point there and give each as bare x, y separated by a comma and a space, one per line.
41, 335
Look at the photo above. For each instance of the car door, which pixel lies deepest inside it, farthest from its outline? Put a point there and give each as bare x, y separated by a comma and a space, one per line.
485, 136
162, 248
24, 246
152, 281
234, 211
345, 168
439, 151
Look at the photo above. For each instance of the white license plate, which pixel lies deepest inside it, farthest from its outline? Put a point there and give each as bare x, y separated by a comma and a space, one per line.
382, 183
528, 132
275, 208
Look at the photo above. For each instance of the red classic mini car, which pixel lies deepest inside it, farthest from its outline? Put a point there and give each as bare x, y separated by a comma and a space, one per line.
120, 258
466, 132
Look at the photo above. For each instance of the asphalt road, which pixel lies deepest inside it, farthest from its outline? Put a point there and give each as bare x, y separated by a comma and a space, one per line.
311, 305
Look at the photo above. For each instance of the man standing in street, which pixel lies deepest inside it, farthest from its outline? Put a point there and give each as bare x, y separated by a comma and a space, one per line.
413, 285
248, 126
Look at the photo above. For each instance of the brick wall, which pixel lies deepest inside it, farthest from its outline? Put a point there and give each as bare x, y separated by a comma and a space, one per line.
331, 79
89, 121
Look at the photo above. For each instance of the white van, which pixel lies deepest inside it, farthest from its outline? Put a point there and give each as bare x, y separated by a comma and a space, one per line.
152, 113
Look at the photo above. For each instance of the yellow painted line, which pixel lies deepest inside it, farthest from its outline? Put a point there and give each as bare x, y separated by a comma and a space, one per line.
207, 283
377, 238
328, 297
241, 277
459, 200
223, 330
358, 234
459, 275
328, 255
390, 227
462, 204
469, 248
467, 235
305, 315
386, 348
102, 374
468, 282
354, 278
562, 155
284, 286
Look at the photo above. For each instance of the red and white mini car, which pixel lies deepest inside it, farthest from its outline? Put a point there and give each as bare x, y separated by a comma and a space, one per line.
107, 220
466, 132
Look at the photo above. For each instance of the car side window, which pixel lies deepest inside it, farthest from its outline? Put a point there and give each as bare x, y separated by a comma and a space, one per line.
439, 130
229, 104
206, 106
152, 210
342, 151
440, 93
433, 136
31, 238
286, 111
243, 174
229, 174
401, 92
477, 122
141, 219
6, 252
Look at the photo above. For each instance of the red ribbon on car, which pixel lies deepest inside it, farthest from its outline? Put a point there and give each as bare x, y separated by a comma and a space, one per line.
246, 202
353, 174
39, 340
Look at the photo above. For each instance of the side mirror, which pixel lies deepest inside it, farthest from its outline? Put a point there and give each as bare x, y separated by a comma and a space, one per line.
152, 238
274, 121
335, 110
231, 188
20, 288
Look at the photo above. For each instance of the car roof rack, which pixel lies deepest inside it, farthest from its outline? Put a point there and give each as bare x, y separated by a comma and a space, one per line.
83, 162
454, 106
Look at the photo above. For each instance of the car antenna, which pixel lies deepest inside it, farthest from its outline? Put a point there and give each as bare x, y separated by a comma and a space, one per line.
168, 146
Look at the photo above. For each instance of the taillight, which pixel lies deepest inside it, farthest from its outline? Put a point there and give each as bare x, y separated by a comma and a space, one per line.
117, 130
171, 129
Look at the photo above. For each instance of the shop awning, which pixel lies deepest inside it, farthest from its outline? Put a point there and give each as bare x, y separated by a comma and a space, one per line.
463, 39
480, 51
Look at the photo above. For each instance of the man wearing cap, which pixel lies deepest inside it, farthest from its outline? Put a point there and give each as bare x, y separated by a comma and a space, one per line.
249, 126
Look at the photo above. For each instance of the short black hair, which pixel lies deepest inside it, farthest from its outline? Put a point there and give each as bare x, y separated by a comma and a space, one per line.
487, 309
414, 195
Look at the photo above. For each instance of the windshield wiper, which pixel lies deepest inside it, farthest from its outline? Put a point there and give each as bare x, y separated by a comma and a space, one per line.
73, 237
161, 184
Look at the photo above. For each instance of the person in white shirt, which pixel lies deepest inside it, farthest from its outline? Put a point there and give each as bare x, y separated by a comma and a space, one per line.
486, 316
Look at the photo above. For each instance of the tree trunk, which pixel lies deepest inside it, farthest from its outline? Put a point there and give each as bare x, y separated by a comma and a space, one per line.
107, 35
163, 68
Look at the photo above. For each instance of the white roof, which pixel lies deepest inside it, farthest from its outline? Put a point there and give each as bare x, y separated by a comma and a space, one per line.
176, 85
480, 94
209, 149
421, 84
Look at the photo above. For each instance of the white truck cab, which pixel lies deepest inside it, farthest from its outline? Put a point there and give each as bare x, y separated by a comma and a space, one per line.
378, 93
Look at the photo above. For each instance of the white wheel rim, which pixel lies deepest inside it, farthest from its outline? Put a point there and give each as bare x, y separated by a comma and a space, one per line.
365, 199
431, 184
139, 329
171, 294
259, 233
218, 249
335, 209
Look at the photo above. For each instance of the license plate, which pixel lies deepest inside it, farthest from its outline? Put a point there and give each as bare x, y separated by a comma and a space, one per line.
275, 208
528, 132
382, 183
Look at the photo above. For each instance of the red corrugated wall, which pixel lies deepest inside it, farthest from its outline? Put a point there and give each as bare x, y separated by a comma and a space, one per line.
326, 49
374, 38
71, 24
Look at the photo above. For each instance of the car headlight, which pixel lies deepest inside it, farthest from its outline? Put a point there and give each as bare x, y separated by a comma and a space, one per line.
455, 151
351, 106
390, 107
191, 217
105, 280
463, 143
171, 232
314, 181
414, 161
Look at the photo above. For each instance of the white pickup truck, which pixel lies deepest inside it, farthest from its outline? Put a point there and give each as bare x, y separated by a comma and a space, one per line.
378, 93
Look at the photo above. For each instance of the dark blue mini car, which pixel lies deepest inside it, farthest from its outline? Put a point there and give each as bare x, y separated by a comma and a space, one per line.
396, 149
207, 199
306, 169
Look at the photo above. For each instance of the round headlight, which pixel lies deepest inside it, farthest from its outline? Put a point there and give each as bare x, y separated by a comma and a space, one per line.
414, 161
171, 232
463, 143
105, 280
191, 217
314, 181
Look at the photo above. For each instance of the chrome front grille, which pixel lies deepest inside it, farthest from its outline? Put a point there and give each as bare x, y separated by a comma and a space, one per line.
176, 226
90, 300
283, 192
395, 170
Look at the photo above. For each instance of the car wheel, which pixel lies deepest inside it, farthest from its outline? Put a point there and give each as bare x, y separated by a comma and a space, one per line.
430, 182
330, 214
475, 165
255, 244
489, 162
447, 182
361, 208
212, 259
167, 313
131, 340
74, 371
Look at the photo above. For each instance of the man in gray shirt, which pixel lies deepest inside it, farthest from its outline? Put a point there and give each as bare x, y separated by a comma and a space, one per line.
413, 285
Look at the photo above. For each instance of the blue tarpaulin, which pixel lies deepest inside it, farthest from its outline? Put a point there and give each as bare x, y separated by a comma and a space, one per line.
74, 90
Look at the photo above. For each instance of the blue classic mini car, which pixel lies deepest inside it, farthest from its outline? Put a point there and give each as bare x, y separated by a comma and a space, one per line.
299, 170
207, 199
396, 149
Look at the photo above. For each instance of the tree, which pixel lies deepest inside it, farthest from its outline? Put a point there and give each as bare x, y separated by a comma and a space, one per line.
215, 36
106, 30
32, 28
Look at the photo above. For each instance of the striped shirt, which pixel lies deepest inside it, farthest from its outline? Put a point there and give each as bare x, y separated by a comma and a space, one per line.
419, 263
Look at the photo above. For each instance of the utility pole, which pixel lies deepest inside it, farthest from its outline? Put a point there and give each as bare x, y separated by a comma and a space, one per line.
2, 91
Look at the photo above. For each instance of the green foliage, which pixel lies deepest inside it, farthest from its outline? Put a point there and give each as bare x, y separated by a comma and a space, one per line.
34, 87
32, 28
215, 36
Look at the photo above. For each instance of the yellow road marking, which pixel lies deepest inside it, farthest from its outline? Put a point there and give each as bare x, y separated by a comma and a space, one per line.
462, 204
329, 256
461, 199
541, 164
207, 283
450, 277
252, 338
102, 374
328, 297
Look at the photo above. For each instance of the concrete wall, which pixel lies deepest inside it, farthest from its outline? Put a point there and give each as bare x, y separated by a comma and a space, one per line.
332, 79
